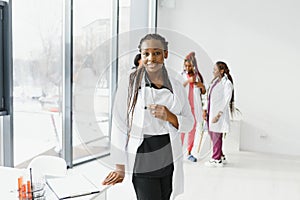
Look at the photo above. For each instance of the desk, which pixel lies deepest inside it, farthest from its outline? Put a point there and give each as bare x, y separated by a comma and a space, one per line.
9, 185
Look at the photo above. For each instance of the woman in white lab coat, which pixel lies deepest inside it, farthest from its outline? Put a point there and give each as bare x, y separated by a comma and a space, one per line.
220, 104
150, 112
193, 83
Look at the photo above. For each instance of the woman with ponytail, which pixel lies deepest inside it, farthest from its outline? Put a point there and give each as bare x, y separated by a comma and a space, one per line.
220, 103
150, 112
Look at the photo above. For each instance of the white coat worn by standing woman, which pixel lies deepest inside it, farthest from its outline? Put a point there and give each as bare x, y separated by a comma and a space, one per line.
220, 103
193, 83
150, 112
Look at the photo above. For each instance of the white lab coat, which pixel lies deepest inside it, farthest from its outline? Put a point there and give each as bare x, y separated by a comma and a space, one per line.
121, 154
220, 97
197, 100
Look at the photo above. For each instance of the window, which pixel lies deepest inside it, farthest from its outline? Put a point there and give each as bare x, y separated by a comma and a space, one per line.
37, 69
91, 79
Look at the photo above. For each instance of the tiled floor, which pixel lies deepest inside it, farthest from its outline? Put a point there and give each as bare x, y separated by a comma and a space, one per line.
246, 176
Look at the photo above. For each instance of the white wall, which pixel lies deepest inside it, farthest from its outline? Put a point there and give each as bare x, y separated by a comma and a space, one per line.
259, 40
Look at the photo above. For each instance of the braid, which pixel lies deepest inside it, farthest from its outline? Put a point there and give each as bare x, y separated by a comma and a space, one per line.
166, 79
154, 36
222, 65
135, 80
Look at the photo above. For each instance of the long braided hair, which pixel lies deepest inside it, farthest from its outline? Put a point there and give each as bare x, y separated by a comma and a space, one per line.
223, 66
135, 80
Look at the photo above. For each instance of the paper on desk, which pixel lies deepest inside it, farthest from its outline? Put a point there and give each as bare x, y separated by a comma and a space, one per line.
72, 185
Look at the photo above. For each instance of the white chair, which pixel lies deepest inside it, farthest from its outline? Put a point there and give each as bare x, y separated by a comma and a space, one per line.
47, 166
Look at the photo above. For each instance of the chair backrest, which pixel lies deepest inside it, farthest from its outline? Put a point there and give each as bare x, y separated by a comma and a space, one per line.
47, 166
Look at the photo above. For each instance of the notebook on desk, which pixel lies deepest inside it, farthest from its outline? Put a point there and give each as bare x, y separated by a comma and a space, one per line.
75, 185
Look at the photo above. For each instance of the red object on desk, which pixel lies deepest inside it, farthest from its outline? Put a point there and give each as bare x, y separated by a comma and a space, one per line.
20, 183
23, 191
28, 187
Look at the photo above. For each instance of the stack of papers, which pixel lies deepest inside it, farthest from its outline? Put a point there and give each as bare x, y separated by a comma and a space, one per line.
75, 185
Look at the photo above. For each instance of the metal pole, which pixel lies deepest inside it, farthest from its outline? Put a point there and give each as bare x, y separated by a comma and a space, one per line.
114, 58
67, 150
8, 141
152, 14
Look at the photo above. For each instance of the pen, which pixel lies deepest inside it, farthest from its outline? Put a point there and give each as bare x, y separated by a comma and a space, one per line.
80, 195
31, 187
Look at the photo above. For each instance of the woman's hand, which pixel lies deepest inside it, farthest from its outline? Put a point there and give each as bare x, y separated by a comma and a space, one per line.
159, 111
163, 113
116, 176
216, 118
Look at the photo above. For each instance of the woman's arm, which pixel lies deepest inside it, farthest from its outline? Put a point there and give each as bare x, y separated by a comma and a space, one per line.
185, 117
228, 88
227, 94
118, 136
189, 80
173, 119
183, 121
201, 86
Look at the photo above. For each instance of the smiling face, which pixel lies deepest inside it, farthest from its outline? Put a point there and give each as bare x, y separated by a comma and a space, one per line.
153, 55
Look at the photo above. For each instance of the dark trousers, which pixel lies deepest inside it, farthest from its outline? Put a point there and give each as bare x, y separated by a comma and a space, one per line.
217, 144
153, 188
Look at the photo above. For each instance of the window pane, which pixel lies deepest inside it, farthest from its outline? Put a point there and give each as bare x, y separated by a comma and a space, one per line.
37, 70
91, 58
126, 55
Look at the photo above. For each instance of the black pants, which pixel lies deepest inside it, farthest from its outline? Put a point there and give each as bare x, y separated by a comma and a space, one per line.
153, 168
159, 188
